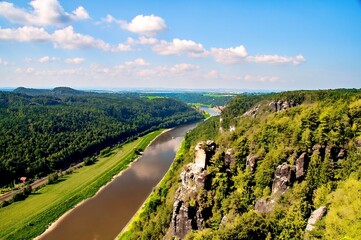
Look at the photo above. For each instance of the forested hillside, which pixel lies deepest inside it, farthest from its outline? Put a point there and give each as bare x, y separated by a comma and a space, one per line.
284, 166
209, 99
43, 133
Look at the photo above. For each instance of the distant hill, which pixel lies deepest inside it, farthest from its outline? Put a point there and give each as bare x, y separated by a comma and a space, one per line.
55, 91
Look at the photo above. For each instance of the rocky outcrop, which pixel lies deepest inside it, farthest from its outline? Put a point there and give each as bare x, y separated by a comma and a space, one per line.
282, 180
301, 164
187, 214
229, 157
251, 161
284, 177
279, 105
315, 216
203, 153
252, 112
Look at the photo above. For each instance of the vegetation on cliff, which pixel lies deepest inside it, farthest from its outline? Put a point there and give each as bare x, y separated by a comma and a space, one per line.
292, 154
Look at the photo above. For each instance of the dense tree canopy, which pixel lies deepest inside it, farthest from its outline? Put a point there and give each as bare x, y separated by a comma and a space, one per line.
43, 133
325, 126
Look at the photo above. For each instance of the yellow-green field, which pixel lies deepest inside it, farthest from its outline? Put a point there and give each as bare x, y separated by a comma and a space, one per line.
29, 218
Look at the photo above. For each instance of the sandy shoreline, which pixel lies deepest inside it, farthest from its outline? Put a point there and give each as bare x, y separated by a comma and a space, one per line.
57, 221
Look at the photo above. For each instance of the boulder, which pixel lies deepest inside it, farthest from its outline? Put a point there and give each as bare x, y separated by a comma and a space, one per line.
315, 216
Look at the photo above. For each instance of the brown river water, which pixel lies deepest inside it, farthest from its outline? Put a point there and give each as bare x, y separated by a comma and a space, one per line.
108, 212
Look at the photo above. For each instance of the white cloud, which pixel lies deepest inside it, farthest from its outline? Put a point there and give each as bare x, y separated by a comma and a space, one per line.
276, 59
260, 78
3, 62
183, 67
142, 40
229, 55
67, 38
43, 13
80, 14
47, 59
137, 62
25, 70
179, 47
122, 48
74, 60
62, 38
142, 25
25, 34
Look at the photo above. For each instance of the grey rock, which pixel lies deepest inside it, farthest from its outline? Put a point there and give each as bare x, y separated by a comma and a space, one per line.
229, 157
282, 179
264, 205
301, 166
251, 161
194, 176
315, 216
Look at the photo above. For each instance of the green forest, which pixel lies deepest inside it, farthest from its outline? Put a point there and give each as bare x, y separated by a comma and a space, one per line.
42, 131
313, 138
206, 99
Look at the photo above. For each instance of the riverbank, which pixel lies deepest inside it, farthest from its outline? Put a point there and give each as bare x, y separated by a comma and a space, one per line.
29, 218
147, 205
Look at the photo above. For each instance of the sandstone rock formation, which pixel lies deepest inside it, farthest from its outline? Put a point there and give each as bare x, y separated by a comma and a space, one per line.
187, 215
252, 112
279, 105
315, 216
251, 161
301, 164
284, 177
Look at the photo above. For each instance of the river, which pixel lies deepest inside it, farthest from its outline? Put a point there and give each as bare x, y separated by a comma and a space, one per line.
104, 215
210, 111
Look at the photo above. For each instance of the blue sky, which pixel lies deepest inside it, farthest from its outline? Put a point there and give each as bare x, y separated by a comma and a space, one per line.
263, 45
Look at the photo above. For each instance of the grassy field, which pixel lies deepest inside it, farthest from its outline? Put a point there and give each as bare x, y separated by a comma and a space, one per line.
29, 218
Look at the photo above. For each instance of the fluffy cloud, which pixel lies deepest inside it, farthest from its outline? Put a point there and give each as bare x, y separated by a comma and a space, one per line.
62, 38
67, 38
47, 59
229, 55
276, 59
43, 13
74, 60
142, 25
179, 47
25, 34
183, 68
137, 62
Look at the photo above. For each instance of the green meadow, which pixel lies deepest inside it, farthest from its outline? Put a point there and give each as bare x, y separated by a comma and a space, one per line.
29, 218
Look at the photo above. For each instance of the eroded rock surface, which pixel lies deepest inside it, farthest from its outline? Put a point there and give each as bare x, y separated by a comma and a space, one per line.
315, 216
187, 215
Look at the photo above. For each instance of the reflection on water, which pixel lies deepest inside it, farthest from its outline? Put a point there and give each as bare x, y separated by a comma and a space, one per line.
210, 111
104, 216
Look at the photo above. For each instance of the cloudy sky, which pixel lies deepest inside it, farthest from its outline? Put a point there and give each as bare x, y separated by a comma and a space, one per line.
270, 45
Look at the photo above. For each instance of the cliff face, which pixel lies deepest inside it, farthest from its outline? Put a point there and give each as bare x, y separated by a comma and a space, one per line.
187, 214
